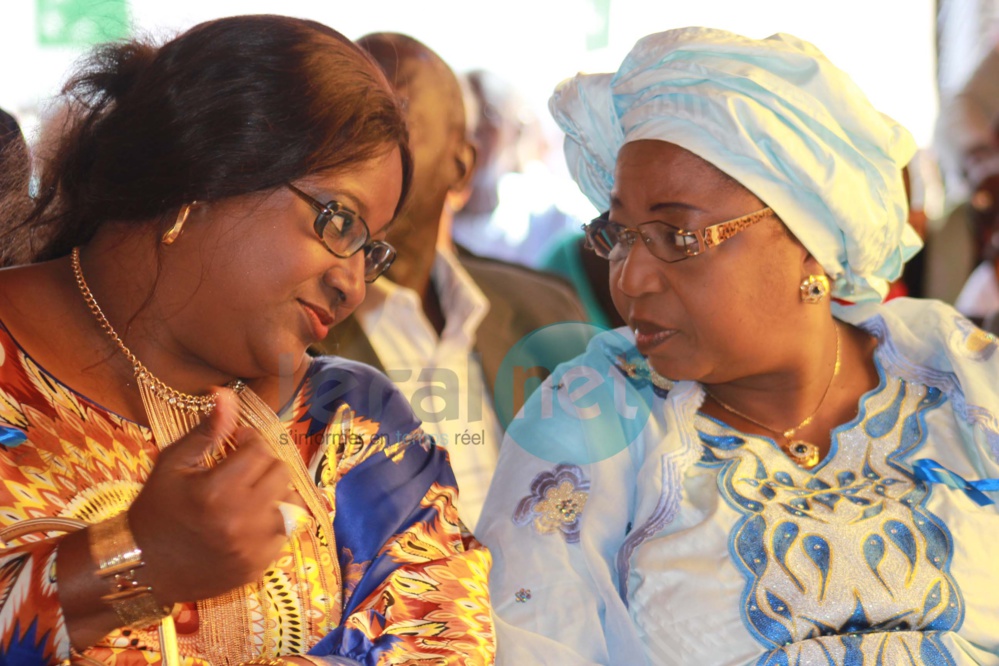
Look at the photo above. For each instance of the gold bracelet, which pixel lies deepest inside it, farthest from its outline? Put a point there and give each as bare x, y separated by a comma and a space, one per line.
117, 556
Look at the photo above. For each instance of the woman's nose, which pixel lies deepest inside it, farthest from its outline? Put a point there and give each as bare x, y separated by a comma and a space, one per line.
346, 277
639, 272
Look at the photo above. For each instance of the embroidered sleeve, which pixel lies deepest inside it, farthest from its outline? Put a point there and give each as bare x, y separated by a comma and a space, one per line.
32, 628
554, 587
416, 584
560, 511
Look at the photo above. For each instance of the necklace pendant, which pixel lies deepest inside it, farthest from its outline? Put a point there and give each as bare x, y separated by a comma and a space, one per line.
805, 454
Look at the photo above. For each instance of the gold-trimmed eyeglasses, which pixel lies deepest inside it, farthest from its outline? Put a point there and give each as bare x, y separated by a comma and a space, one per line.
345, 233
613, 241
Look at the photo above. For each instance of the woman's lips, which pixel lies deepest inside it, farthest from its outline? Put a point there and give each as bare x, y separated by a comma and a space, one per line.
650, 336
319, 320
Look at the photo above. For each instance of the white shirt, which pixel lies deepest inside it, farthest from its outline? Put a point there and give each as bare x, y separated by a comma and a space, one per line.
441, 375
980, 295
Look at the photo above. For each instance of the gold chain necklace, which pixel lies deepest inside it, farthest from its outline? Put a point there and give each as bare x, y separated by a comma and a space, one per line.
195, 404
803, 453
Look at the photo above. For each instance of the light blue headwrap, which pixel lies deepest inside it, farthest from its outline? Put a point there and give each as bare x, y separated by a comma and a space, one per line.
775, 115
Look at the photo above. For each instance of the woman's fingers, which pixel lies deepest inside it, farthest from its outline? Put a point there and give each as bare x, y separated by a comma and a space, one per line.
191, 450
207, 530
250, 459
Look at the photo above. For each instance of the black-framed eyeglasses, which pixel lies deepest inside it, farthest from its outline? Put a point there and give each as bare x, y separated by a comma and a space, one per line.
345, 233
613, 241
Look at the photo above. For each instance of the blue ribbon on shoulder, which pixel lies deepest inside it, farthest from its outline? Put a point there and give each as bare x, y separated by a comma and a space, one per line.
929, 470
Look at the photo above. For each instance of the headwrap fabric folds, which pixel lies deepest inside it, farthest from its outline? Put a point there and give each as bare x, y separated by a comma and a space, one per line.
775, 115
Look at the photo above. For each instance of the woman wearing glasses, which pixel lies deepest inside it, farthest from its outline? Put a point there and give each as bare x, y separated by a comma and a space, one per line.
178, 480
768, 465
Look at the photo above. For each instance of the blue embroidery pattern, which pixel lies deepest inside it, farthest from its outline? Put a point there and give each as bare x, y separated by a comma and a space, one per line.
844, 560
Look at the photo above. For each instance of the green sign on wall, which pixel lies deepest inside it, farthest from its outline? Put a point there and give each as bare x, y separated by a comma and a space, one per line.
598, 36
81, 22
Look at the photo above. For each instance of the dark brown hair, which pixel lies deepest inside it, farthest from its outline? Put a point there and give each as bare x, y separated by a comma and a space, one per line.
232, 106
15, 166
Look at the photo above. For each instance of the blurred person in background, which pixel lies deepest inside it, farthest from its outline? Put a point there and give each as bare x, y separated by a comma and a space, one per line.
512, 212
15, 167
979, 298
967, 140
441, 323
571, 257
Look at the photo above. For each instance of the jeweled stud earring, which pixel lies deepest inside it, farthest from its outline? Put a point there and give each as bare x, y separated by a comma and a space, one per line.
814, 288
178, 226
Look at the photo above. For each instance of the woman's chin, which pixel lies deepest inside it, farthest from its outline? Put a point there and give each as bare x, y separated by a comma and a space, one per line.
286, 361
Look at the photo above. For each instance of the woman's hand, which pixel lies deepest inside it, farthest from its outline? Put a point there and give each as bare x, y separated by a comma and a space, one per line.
204, 531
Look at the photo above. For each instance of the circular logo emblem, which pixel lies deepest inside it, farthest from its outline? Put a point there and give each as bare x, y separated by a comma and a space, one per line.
588, 411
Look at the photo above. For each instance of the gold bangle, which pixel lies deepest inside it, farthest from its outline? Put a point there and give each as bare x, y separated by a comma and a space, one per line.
117, 557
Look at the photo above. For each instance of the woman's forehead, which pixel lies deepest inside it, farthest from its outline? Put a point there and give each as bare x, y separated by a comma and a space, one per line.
662, 170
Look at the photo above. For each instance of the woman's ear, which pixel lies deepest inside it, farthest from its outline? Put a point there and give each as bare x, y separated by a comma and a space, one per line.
811, 265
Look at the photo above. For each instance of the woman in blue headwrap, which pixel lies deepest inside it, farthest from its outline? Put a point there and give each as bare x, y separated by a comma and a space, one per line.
768, 465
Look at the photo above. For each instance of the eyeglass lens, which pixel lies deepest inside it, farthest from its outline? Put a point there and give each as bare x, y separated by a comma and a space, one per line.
341, 231
613, 241
378, 256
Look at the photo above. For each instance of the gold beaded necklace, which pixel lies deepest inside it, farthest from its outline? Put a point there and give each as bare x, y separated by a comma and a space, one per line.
805, 454
172, 414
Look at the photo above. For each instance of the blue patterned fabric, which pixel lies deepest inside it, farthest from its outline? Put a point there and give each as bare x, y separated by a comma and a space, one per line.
847, 552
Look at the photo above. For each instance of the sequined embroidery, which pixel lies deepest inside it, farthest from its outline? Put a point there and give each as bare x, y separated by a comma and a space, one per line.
971, 341
636, 368
556, 502
825, 552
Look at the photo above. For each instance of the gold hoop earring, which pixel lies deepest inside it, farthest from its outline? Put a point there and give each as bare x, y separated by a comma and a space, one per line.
178, 226
814, 288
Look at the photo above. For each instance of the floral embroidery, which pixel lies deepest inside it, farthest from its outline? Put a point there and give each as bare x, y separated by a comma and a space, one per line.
522, 596
556, 502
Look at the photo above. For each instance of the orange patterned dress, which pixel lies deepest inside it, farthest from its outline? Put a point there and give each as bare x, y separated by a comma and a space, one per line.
404, 583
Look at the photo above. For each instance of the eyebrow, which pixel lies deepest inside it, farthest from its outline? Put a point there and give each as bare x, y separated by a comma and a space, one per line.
350, 201
355, 204
670, 205
657, 207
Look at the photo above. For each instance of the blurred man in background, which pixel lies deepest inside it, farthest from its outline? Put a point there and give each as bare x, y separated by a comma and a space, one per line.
441, 324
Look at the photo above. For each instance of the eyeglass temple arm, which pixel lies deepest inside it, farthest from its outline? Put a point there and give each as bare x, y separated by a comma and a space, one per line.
717, 234
316, 206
